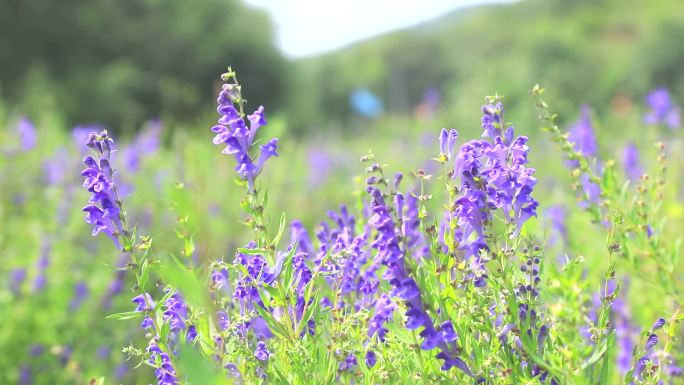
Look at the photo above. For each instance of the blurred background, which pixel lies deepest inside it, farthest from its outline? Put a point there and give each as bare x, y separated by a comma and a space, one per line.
325, 65
336, 79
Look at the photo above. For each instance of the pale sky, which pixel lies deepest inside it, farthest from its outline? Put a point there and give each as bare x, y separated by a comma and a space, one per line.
307, 27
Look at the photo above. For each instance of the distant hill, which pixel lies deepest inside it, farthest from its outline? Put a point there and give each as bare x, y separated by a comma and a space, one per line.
590, 51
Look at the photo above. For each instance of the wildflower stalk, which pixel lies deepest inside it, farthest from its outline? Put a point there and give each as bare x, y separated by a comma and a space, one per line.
561, 138
106, 213
645, 243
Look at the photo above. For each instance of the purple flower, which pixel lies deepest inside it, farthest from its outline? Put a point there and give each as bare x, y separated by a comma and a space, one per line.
492, 176
630, 162
55, 167
640, 366
626, 334
80, 135
447, 141
592, 191
557, 216
301, 237
660, 322
37, 350
493, 122
261, 353
144, 302
104, 352
348, 363
25, 375
371, 359
27, 134
651, 341
382, 313
247, 287
661, 109
581, 134
233, 132
65, 355
120, 370
320, 165
448, 333
223, 320
145, 143
192, 333
147, 323
160, 360
391, 255
17, 277
175, 312
80, 294
234, 372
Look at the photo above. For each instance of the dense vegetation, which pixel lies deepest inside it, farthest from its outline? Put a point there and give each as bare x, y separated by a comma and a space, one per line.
605, 53
120, 63
546, 253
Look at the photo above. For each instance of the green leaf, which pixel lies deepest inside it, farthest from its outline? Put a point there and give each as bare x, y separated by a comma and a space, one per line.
185, 280
281, 228
199, 370
126, 315
273, 324
247, 251
308, 313
144, 273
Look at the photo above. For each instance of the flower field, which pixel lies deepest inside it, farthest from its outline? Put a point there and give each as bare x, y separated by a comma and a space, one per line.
514, 250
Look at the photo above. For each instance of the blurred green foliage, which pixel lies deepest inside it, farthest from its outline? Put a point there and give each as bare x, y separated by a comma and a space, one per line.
591, 51
120, 63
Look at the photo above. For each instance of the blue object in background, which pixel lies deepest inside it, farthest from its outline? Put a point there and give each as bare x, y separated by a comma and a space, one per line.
365, 103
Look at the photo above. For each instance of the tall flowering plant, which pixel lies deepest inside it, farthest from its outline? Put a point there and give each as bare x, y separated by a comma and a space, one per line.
401, 288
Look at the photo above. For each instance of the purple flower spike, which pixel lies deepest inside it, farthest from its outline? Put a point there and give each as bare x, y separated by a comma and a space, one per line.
238, 138
102, 211
582, 134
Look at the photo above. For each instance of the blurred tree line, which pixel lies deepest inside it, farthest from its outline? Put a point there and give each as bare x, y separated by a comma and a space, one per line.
120, 62
599, 52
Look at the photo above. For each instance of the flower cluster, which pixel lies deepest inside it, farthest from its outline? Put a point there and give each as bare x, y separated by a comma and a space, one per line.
631, 163
146, 143
160, 360
330, 303
102, 211
248, 286
581, 135
662, 110
405, 288
530, 321
233, 132
492, 176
